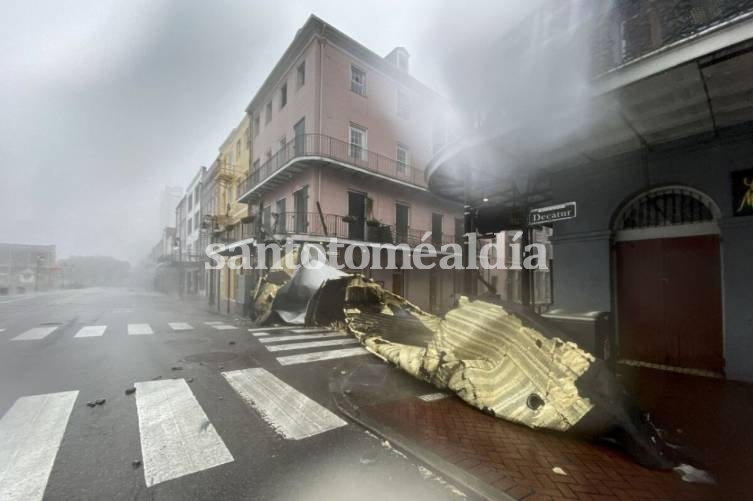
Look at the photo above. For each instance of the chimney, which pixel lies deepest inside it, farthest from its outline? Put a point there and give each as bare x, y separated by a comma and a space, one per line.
399, 58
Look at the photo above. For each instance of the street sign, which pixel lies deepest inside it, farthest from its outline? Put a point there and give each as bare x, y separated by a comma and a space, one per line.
545, 215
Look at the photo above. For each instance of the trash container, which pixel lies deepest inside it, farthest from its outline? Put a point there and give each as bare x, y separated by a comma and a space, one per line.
593, 330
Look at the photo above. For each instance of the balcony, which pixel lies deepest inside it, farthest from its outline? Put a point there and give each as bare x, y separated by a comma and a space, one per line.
310, 149
324, 226
632, 29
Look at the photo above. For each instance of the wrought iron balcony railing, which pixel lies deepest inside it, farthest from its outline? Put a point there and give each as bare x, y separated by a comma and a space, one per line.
319, 145
629, 29
336, 226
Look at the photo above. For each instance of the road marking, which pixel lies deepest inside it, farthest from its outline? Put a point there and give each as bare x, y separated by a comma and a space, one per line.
214, 323
35, 333
279, 328
223, 327
306, 358
431, 397
312, 344
310, 329
180, 326
177, 438
291, 413
298, 337
258, 334
139, 329
91, 331
2, 330
30, 436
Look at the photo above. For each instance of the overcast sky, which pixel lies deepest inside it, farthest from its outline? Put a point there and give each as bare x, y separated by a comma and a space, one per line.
105, 102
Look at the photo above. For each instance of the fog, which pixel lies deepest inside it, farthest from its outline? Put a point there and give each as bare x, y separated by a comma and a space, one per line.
106, 102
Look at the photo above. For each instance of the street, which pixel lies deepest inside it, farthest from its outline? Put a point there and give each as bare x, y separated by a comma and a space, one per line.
219, 411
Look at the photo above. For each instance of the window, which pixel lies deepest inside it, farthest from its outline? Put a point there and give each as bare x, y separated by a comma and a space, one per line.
256, 165
281, 216
358, 80
403, 105
283, 95
189, 225
283, 142
436, 228
268, 113
196, 196
402, 159
268, 155
238, 149
300, 77
402, 60
247, 135
257, 125
358, 142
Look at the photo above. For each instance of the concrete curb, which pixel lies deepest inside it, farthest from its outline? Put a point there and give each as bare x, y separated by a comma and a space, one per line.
448, 470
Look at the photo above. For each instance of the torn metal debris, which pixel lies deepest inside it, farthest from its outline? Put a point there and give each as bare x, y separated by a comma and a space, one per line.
510, 367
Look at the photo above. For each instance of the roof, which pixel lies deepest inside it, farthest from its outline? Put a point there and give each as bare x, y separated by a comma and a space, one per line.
316, 27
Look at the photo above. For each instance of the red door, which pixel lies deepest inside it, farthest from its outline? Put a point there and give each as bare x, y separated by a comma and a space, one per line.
669, 301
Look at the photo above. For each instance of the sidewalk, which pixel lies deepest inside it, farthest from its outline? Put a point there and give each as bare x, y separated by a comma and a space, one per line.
500, 460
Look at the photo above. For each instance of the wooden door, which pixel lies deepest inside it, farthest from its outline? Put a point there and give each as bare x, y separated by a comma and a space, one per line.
669, 301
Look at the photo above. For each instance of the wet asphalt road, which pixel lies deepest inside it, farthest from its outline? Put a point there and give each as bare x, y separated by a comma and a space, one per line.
99, 444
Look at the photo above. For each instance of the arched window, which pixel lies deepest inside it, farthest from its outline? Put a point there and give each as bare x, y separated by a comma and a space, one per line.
668, 206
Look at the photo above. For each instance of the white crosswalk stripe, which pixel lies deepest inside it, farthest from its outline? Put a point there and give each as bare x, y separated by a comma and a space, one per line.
298, 337
30, 436
139, 329
318, 356
265, 329
311, 344
91, 331
177, 438
310, 330
220, 326
35, 333
291, 413
259, 334
180, 326
431, 397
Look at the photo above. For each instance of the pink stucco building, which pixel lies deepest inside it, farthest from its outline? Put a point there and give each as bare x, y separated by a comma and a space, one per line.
340, 136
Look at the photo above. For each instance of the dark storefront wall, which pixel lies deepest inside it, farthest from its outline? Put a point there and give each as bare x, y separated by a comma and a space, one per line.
584, 264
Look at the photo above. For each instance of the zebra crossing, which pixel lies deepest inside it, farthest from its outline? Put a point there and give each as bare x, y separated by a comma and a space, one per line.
279, 340
305, 344
176, 436
132, 329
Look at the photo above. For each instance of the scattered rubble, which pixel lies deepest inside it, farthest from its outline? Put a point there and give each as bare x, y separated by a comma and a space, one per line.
130, 391
559, 471
176, 368
155, 378
100, 401
136, 463
231, 343
189, 380
90, 404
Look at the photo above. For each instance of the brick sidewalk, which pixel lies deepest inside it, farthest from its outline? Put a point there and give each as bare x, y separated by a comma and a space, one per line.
713, 418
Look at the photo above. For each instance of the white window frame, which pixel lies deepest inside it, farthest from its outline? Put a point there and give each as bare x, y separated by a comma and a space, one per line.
356, 86
257, 124
358, 151
300, 75
402, 166
268, 113
283, 95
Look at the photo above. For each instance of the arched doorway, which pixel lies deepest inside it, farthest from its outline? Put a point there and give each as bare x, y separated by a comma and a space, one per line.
668, 280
